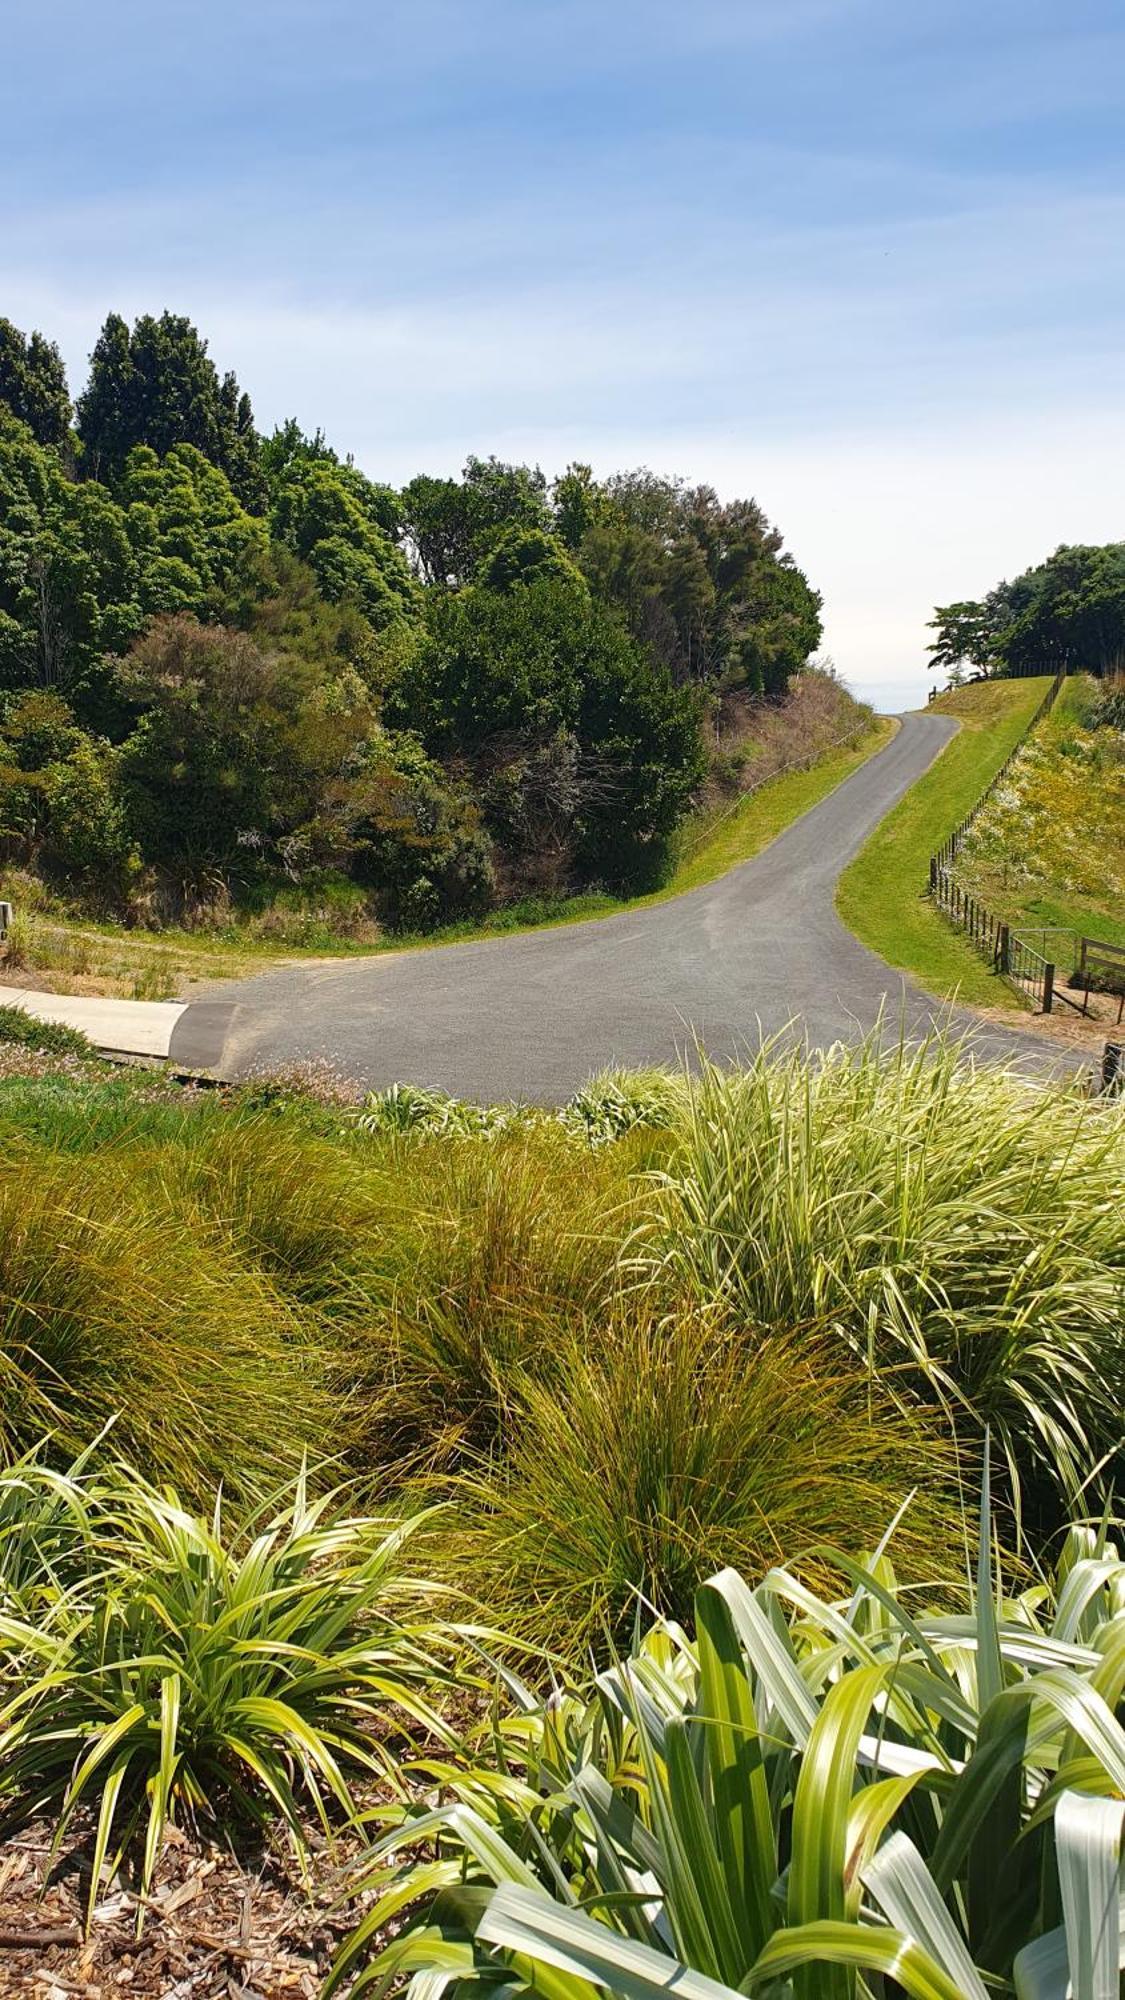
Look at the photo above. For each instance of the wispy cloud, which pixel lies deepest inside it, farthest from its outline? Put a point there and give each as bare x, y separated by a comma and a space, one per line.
864, 261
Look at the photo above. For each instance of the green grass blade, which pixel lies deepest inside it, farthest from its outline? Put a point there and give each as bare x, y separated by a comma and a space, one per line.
856, 1948
529, 1923
1088, 1848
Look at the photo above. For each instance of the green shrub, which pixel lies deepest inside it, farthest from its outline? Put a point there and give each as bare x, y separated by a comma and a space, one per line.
810, 1798
408, 1107
620, 1101
53, 1037
237, 1672
1108, 710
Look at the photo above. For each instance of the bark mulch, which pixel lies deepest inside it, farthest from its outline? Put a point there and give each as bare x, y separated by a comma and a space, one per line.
216, 1923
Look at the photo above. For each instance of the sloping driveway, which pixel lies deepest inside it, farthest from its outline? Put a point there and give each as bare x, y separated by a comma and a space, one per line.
533, 1016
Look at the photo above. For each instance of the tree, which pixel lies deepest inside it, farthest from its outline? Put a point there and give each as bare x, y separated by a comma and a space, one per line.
965, 632
452, 525
287, 446
59, 794
415, 837
704, 585
157, 386
1067, 612
1074, 614
195, 544
33, 384
578, 503
68, 573
527, 555
503, 678
331, 517
221, 766
773, 626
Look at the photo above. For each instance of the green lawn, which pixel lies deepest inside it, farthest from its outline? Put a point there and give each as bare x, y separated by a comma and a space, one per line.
883, 897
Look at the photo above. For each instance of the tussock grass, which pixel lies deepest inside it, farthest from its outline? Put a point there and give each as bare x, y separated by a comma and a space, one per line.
586, 1341
114, 1306
961, 1233
654, 1450
491, 1254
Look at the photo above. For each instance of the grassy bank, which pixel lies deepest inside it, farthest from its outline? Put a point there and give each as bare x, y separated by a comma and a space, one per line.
1049, 848
75, 956
882, 896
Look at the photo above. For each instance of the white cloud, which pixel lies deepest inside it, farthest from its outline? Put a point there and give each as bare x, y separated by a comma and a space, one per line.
923, 404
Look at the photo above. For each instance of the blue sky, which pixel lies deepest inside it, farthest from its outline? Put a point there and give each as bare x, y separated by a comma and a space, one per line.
864, 261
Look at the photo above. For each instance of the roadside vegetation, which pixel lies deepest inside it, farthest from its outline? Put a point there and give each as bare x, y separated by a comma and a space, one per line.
1067, 613
771, 762
688, 1381
1049, 847
883, 894
668, 1543
248, 691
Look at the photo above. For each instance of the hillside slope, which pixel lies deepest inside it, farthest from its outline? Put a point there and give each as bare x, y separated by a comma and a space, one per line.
1049, 847
882, 896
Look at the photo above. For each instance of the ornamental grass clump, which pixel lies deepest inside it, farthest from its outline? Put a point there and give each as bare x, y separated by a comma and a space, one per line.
652, 1449
489, 1258
115, 1305
237, 1673
959, 1231
842, 1795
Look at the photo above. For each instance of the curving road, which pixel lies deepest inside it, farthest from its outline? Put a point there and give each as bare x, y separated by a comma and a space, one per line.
532, 1016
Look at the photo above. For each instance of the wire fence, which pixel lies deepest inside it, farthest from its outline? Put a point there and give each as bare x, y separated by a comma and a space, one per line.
1010, 953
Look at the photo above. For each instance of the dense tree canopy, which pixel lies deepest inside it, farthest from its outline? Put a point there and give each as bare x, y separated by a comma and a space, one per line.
539, 686
33, 384
233, 660
157, 386
704, 585
1067, 612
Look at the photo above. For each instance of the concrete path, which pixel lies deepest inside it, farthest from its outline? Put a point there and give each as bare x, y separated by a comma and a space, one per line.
127, 1027
532, 1016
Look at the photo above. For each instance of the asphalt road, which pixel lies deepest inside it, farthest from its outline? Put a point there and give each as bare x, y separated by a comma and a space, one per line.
757, 952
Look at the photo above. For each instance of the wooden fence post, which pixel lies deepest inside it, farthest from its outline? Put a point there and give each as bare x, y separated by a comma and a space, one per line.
1003, 954
1048, 988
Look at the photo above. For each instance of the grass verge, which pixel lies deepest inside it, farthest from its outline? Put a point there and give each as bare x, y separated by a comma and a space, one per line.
882, 896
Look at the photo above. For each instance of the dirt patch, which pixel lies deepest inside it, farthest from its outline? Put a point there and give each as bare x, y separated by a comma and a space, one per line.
1070, 1030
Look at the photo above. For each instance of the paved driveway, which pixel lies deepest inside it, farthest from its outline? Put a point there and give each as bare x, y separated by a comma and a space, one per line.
532, 1016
